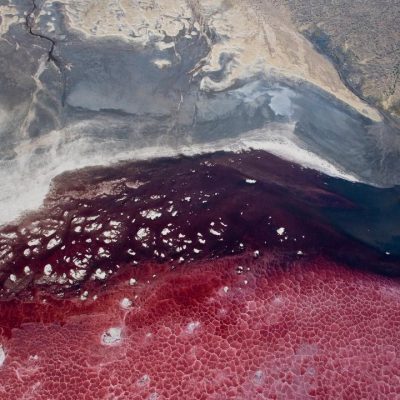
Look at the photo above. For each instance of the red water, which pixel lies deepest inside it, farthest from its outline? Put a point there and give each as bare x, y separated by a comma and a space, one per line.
175, 280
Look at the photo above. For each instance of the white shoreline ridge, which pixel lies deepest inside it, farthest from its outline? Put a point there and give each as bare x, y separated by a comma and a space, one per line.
23, 190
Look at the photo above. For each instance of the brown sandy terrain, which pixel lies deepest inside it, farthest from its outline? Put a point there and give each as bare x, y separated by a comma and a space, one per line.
363, 40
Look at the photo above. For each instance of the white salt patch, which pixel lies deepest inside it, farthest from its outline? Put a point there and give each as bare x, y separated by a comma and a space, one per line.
103, 253
192, 326
165, 45
280, 231
150, 214
162, 63
78, 220
125, 303
112, 336
115, 224
77, 274
27, 270
142, 233
13, 278
34, 242
214, 232
48, 269
251, 181
53, 243
300, 253
100, 274
11, 235
93, 227
165, 231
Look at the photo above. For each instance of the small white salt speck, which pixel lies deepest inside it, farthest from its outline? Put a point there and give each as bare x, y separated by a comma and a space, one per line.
27, 270
175, 213
84, 295
48, 269
387, 253
300, 253
62, 279
132, 281
280, 231
239, 270
188, 198
2, 356
131, 252
256, 253
125, 303
197, 251
214, 232
226, 288
13, 278
78, 229
27, 252
251, 181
